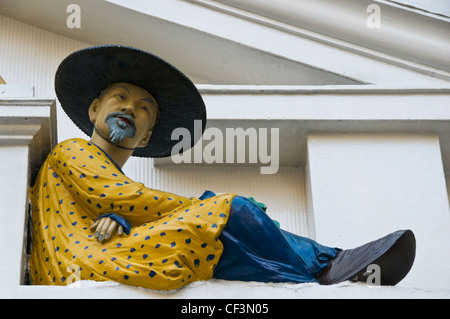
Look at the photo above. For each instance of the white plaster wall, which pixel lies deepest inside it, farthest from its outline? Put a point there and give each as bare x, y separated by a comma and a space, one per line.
366, 186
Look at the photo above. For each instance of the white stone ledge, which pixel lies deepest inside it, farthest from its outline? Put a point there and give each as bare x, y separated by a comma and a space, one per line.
16, 91
221, 289
326, 103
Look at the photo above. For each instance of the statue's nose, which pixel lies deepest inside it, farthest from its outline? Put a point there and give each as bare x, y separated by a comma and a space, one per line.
129, 110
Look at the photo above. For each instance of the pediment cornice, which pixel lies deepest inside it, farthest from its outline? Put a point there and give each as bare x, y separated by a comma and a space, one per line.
403, 32
231, 42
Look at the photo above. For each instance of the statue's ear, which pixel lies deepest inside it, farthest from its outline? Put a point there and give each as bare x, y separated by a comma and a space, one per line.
93, 110
146, 139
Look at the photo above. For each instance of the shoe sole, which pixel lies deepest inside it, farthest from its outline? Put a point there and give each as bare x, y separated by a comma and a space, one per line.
394, 263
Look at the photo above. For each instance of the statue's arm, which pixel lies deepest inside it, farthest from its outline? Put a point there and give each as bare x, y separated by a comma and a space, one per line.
103, 189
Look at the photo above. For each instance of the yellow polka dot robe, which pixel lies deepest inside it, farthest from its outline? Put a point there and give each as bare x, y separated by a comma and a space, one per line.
173, 239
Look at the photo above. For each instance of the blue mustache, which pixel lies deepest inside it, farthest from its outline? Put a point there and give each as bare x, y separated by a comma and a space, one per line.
119, 129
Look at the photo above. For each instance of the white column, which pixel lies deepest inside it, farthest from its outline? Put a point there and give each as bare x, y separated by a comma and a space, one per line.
27, 134
13, 208
364, 186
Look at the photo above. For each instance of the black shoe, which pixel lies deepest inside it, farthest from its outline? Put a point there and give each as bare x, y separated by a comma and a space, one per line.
394, 254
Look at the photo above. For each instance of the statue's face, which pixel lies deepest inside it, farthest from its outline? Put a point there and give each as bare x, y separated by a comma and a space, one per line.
126, 114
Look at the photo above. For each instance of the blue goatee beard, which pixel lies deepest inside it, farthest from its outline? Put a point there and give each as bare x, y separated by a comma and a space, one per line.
120, 125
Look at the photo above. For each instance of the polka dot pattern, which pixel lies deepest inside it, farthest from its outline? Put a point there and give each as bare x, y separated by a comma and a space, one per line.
173, 241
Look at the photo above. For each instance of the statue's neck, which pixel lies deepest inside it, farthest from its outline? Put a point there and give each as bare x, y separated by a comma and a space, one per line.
119, 154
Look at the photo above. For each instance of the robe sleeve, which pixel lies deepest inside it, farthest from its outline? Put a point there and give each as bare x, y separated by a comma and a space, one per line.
101, 188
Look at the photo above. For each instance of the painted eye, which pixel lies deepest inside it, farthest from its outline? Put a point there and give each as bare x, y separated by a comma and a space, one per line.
121, 96
144, 108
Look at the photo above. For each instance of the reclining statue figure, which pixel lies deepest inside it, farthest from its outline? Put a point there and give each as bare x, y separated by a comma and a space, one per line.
88, 216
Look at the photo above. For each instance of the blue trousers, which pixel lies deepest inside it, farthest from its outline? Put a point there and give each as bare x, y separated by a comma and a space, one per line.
255, 249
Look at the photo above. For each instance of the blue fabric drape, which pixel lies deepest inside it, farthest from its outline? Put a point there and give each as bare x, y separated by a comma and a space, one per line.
255, 249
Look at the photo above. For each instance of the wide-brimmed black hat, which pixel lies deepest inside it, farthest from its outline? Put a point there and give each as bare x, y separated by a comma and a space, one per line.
84, 74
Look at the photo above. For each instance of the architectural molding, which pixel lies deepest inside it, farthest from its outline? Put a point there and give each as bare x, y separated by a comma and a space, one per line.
400, 27
16, 91
27, 121
323, 89
25, 117
228, 45
302, 110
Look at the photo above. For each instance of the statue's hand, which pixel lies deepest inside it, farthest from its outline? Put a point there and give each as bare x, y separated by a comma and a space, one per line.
105, 227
